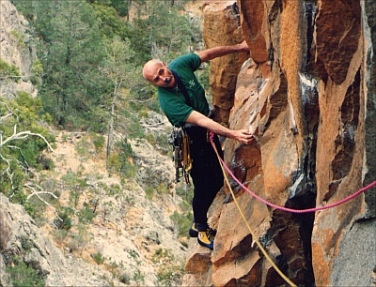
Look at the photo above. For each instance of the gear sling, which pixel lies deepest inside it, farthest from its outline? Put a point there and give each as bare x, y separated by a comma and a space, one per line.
179, 140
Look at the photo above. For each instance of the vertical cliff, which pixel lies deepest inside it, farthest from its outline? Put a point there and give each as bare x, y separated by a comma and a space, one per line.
17, 50
308, 92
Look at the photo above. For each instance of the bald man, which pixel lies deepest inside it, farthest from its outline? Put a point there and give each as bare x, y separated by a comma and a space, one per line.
192, 113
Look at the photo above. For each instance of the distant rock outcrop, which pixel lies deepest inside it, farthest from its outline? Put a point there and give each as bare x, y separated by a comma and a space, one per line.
21, 237
17, 50
308, 93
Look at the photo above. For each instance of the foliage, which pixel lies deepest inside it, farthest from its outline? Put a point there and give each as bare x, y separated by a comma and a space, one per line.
75, 185
89, 77
79, 239
36, 72
98, 258
86, 215
44, 163
64, 221
22, 274
98, 142
139, 277
149, 191
170, 271
182, 221
19, 37
81, 74
71, 38
26, 243
19, 154
125, 159
36, 209
8, 71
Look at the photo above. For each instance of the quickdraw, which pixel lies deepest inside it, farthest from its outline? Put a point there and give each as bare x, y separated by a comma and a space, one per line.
181, 155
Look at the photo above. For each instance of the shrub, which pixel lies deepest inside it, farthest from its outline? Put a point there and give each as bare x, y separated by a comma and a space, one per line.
98, 258
19, 38
22, 275
125, 278
86, 215
44, 163
63, 221
182, 221
26, 243
170, 270
149, 192
7, 70
98, 141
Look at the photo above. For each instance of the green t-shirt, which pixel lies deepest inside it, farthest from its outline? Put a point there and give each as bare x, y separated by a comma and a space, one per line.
172, 101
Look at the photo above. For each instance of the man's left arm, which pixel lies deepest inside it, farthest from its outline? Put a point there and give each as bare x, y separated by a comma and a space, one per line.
219, 51
199, 119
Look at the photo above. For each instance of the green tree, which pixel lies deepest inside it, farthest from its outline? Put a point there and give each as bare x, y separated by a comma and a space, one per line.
73, 48
75, 40
165, 33
116, 69
111, 25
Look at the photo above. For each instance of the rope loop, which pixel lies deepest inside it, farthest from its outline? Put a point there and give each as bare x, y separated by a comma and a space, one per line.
348, 198
225, 167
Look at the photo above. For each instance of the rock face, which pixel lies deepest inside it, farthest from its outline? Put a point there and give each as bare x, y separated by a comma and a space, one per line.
308, 93
16, 49
223, 85
20, 234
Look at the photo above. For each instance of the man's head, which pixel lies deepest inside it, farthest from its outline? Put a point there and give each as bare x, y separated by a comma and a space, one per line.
158, 74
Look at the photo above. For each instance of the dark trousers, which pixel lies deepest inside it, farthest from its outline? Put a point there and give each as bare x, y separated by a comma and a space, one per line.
206, 173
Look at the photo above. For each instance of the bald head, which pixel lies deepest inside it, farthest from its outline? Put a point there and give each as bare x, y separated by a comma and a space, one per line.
158, 74
150, 67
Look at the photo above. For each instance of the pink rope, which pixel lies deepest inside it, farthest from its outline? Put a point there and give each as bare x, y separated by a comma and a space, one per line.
290, 209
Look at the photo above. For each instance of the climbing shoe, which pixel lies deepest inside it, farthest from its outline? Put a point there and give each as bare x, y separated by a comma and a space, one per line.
204, 239
193, 231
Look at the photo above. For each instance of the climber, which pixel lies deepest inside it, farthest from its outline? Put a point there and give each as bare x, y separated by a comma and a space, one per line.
182, 99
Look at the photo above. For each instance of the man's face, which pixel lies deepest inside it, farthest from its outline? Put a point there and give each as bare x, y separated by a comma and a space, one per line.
158, 74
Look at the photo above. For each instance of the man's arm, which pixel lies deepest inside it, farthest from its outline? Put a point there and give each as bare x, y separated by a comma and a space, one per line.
198, 119
219, 51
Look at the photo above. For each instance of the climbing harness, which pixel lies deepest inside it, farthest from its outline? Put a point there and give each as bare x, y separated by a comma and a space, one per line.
181, 155
224, 167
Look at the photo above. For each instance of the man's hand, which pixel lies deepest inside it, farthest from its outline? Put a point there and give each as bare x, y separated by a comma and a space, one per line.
243, 136
244, 46
198, 119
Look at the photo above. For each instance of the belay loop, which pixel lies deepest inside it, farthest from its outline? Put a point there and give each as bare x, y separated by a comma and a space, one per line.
181, 156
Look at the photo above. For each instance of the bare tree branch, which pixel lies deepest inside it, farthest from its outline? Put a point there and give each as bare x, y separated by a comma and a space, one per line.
22, 135
32, 186
19, 77
5, 117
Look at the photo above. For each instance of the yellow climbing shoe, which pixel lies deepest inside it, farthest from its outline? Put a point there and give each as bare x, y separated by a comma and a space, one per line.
193, 231
204, 239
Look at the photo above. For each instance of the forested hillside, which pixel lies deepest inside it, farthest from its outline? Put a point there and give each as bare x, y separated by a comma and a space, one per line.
87, 71
90, 140
90, 53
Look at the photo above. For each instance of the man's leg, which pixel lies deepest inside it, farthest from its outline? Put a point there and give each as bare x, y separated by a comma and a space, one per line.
207, 179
